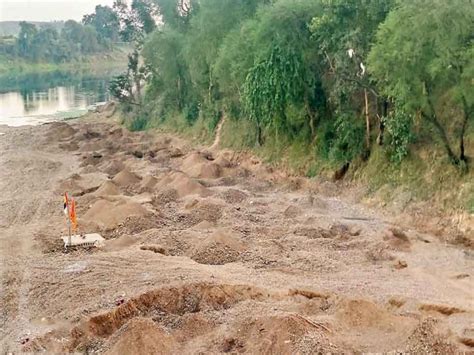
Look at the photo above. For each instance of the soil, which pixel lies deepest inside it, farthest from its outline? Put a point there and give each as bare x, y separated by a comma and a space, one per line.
209, 251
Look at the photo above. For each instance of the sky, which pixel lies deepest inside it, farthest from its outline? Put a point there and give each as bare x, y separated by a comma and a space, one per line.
47, 10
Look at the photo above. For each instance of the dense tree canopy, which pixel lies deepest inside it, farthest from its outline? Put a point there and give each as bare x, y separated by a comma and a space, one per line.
423, 60
335, 74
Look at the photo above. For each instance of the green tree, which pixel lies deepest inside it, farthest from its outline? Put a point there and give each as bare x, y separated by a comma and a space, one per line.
106, 23
343, 33
285, 70
26, 38
45, 40
170, 78
423, 59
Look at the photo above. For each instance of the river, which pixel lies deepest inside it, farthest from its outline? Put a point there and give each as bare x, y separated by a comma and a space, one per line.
35, 98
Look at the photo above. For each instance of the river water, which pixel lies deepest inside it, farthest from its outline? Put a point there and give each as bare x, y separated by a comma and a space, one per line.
36, 98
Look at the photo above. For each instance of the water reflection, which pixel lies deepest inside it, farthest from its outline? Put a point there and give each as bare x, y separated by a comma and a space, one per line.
37, 98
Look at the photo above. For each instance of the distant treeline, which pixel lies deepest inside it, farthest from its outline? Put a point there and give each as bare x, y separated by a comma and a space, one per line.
97, 32
12, 28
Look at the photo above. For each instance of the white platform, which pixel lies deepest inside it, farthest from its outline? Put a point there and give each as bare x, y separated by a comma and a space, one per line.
93, 239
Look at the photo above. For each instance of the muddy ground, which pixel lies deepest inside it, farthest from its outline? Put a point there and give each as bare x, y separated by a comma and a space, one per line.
209, 251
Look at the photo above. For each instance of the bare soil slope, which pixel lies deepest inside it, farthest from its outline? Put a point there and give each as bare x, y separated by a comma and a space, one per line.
208, 252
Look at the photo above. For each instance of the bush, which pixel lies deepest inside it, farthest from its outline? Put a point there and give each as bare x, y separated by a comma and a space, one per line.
399, 134
348, 142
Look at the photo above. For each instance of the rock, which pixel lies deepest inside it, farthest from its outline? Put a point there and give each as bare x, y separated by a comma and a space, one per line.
401, 264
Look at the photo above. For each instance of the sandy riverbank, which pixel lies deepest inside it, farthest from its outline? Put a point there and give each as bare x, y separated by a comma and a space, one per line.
208, 251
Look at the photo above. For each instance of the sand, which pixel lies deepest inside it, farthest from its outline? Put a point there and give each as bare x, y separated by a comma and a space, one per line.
126, 178
210, 253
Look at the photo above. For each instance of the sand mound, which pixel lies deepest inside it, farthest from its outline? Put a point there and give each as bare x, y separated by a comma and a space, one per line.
197, 166
108, 188
218, 249
78, 185
126, 178
398, 240
112, 167
222, 162
206, 211
60, 130
164, 197
148, 183
93, 146
428, 338
108, 215
90, 160
72, 186
290, 334
234, 196
210, 171
292, 211
194, 158
142, 336
363, 313
183, 185
136, 224
204, 225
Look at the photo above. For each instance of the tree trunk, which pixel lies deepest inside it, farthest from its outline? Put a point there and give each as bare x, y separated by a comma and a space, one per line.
381, 122
311, 118
259, 136
441, 131
139, 89
367, 121
444, 138
462, 155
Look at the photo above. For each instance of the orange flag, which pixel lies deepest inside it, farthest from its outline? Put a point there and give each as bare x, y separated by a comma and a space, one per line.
72, 214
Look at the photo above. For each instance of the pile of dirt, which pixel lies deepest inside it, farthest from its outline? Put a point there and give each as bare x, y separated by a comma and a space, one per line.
108, 188
287, 334
378, 252
218, 249
206, 211
112, 167
183, 185
398, 240
126, 178
143, 336
222, 162
360, 313
427, 338
90, 160
78, 185
60, 130
234, 196
71, 185
164, 197
192, 160
136, 224
108, 215
197, 166
292, 211
148, 183
93, 146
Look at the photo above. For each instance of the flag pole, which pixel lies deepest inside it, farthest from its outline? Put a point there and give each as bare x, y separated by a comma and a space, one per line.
68, 222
